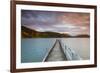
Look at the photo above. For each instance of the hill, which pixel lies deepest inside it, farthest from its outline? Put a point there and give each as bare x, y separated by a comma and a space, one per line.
30, 33
84, 35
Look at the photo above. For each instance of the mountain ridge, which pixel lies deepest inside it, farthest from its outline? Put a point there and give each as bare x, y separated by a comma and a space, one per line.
31, 33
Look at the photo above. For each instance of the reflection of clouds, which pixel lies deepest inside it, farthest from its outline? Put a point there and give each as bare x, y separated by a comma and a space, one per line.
62, 22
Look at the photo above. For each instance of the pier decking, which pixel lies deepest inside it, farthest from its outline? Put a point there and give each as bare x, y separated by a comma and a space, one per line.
56, 53
61, 52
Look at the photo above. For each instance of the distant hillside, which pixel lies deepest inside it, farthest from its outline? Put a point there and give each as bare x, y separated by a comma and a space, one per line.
84, 35
29, 33
26, 32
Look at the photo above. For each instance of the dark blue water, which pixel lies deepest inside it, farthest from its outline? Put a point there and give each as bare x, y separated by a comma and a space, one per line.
34, 50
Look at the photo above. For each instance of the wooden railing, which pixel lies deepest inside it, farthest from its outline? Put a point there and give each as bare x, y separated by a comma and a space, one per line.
70, 53
48, 52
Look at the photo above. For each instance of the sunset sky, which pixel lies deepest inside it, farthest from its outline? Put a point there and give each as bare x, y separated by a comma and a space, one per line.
62, 22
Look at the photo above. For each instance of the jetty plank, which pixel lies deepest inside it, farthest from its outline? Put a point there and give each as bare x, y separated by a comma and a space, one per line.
57, 53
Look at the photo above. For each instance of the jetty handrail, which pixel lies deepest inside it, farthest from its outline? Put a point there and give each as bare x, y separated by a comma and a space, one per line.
47, 54
62, 49
70, 53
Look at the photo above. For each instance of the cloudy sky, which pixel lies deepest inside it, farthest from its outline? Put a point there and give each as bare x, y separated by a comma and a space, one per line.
62, 22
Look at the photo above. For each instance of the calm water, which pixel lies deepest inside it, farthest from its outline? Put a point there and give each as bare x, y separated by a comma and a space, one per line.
79, 45
34, 50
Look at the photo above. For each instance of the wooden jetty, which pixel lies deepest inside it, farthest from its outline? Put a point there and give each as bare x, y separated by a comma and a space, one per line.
56, 53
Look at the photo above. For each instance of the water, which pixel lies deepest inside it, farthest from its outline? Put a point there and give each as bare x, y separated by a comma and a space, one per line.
34, 50
80, 45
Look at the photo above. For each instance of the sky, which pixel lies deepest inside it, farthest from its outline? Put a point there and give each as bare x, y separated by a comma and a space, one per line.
62, 22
